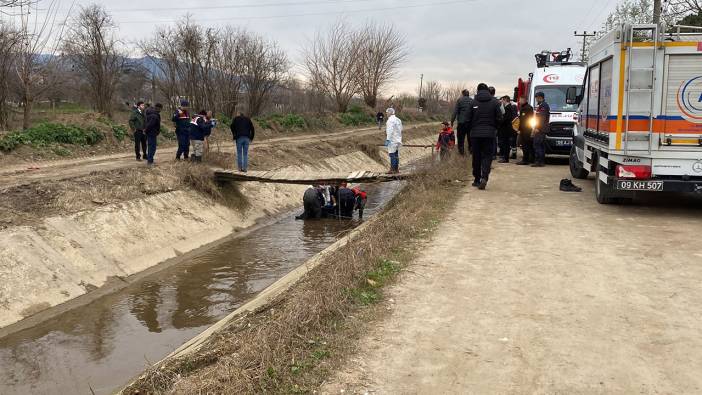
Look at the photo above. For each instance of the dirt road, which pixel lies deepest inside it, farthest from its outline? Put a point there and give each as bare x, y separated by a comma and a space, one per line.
526, 289
65, 169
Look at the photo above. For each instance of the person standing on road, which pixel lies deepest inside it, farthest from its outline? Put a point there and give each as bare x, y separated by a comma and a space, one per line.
137, 120
487, 117
506, 132
243, 132
462, 113
393, 140
526, 114
380, 117
200, 128
181, 119
543, 119
152, 129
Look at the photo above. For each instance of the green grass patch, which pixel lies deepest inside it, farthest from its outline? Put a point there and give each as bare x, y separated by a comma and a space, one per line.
355, 116
283, 121
46, 134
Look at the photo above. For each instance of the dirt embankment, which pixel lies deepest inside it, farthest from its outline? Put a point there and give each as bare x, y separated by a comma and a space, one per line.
60, 240
289, 338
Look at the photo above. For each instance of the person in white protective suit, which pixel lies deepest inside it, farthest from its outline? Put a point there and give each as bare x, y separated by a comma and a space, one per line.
393, 140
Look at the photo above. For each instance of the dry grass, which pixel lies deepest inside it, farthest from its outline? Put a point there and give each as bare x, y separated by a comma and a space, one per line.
291, 345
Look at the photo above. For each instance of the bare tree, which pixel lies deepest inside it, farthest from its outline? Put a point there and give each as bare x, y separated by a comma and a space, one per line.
229, 66
162, 50
265, 67
185, 56
382, 51
454, 90
37, 58
682, 8
93, 49
9, 38
432, 93
331, 63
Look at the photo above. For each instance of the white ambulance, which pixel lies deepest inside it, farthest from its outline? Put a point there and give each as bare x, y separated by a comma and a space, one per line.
554, 75
640, 116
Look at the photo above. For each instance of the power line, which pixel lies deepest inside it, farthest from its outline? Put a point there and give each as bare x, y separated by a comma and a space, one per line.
604, 8
226, 7
585, 36
306, 14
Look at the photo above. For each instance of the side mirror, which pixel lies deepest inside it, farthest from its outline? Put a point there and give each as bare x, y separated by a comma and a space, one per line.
572, 95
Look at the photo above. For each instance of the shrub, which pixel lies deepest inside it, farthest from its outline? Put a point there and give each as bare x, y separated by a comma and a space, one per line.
119, 131
292, 121
285, 121
46, 133
355, 118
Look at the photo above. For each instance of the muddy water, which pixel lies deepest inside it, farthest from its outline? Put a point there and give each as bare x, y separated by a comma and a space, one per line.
101, 346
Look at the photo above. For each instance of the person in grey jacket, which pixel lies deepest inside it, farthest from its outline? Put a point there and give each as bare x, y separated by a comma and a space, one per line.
462, 112
487, 116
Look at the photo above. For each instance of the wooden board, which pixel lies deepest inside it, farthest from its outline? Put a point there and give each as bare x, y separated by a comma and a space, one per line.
288, 177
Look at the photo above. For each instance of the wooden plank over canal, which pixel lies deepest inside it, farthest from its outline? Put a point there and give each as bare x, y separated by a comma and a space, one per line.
292, 177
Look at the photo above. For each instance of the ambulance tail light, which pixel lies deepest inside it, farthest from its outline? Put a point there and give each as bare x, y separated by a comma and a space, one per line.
636, 172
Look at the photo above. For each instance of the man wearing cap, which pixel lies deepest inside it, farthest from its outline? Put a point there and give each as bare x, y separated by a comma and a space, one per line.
393, 140
181, 119
543, 119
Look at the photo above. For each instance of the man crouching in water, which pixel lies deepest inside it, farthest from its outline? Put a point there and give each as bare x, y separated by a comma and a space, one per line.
313, 201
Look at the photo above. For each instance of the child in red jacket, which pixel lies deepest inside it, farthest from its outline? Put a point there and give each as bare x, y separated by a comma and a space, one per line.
447, 140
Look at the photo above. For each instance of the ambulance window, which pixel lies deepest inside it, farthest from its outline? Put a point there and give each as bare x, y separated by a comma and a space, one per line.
593, 98
605, 95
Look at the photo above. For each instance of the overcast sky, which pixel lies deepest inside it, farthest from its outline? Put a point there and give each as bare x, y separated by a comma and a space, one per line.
449, 40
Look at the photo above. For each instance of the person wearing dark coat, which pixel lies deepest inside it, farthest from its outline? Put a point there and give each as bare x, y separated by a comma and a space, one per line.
462, 113
312, 200
541, 129
137, 119
486, 118
505, 133
243, 132
526, 141
152, 128
181, 119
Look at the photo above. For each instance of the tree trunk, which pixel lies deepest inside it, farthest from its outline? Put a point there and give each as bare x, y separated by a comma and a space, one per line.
26, 114
656, 11
371, 101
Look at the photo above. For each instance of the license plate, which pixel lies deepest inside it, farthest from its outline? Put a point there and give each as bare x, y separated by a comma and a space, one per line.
627, 185
563, 143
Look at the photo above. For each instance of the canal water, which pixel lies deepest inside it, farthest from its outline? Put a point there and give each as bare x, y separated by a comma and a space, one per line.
101, 346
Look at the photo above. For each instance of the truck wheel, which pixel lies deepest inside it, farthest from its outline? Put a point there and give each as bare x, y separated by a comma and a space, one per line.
603, 192
576, 167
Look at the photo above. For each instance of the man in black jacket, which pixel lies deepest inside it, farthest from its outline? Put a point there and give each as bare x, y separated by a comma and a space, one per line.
486, 118
505, 134
526, 140
152, 129
243, 132
462, 112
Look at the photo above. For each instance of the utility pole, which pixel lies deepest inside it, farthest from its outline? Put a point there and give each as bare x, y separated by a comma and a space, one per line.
657, 11
585, 36
421, 84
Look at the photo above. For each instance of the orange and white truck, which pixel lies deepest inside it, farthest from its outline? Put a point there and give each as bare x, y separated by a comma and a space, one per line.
640, 113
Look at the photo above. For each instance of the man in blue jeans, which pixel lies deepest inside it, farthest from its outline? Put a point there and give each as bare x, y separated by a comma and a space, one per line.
152, 129
243, 132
